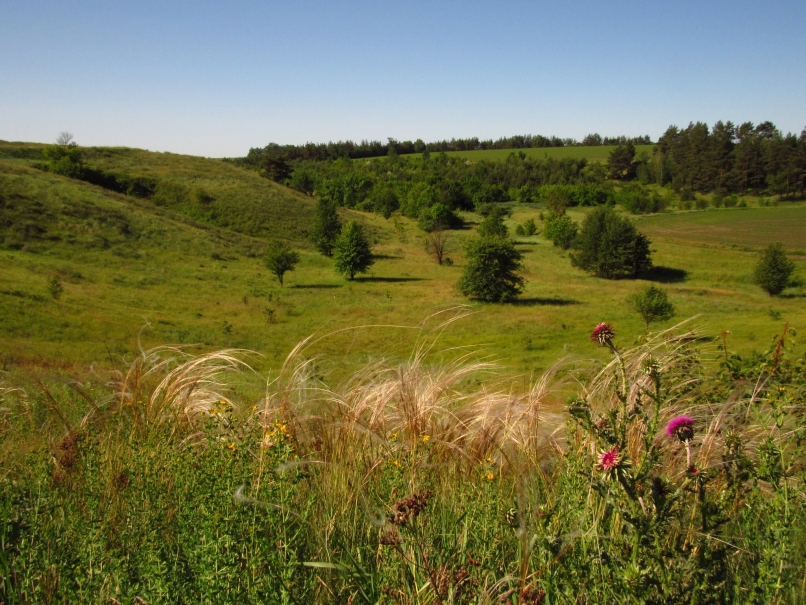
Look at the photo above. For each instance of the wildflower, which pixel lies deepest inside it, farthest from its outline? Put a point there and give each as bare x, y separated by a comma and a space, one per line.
489, 476
681, 427
409, 507
231, 447
426, 438
609, 460
603, 334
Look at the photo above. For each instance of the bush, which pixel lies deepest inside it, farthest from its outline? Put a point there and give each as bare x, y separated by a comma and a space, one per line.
608, 245
438, 216
490, 274
527, 228
493, 226
281, 259
638, 200
561, 231
773, 272
701, 203
652, 304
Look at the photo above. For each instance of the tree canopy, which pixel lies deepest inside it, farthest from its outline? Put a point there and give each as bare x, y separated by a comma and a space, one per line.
608, 245
490, 273
352, 251
280, 259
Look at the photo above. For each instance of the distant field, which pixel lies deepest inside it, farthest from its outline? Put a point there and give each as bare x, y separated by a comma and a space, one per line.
593, 154
750, 227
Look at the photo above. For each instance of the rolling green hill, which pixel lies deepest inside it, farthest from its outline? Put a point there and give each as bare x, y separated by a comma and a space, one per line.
207, 190
192, 276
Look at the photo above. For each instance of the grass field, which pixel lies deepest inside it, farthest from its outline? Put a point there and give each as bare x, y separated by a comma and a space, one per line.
194, 283
361, 473
749, 227
598, 153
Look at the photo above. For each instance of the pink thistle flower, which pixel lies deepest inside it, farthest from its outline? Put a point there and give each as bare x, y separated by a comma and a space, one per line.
681, 427
609, 460
603, 334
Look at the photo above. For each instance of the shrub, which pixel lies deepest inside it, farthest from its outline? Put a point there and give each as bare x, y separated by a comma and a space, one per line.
608, 245
352, 251
773, 272
638, 200
438, 216
652, 304
281, 259
527, 228
490, 274
493, 226
561, 231
701, 203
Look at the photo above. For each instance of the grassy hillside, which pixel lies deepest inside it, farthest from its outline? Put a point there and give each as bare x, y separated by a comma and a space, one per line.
204, 189
125, 262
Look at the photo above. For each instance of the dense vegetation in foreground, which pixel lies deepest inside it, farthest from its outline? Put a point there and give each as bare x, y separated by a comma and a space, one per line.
678, 479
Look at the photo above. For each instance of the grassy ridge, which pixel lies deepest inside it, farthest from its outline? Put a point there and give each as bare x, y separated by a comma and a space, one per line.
207, 190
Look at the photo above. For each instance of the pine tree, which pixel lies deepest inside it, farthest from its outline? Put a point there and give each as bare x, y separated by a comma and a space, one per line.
774, 270
326, 226
352, 251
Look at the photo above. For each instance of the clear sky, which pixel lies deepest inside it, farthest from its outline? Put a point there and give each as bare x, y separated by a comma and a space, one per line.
216, 78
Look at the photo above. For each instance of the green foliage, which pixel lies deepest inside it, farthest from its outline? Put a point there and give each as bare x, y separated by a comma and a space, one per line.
652, 304
55, 287
638, 200
620, 163
561, 231
528, 228
773, 272
280, 259
491, 270
326, 226
493, 226
438, 216
608, 245
352, 253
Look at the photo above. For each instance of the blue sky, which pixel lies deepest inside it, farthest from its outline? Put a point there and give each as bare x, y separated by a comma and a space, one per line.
216, 78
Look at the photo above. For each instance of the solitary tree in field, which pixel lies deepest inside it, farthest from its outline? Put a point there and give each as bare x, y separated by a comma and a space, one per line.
774, 270
652, 304
352, 251
491, 270
436, 242
326, 226
281, 259
608, 245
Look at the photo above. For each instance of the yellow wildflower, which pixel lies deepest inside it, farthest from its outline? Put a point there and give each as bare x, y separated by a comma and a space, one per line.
426, 438
489, 476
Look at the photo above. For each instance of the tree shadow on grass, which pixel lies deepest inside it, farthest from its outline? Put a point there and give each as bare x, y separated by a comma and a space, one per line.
548, 302
317, 286
386, 257
665, 275
387, 280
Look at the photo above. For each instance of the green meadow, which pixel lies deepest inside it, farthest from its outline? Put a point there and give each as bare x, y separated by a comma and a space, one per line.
188, 272
419, 448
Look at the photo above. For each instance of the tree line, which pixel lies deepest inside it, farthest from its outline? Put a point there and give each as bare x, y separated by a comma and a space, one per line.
723, 159
370, 149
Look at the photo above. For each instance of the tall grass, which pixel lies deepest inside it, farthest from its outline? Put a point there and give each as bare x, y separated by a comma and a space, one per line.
427, 481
